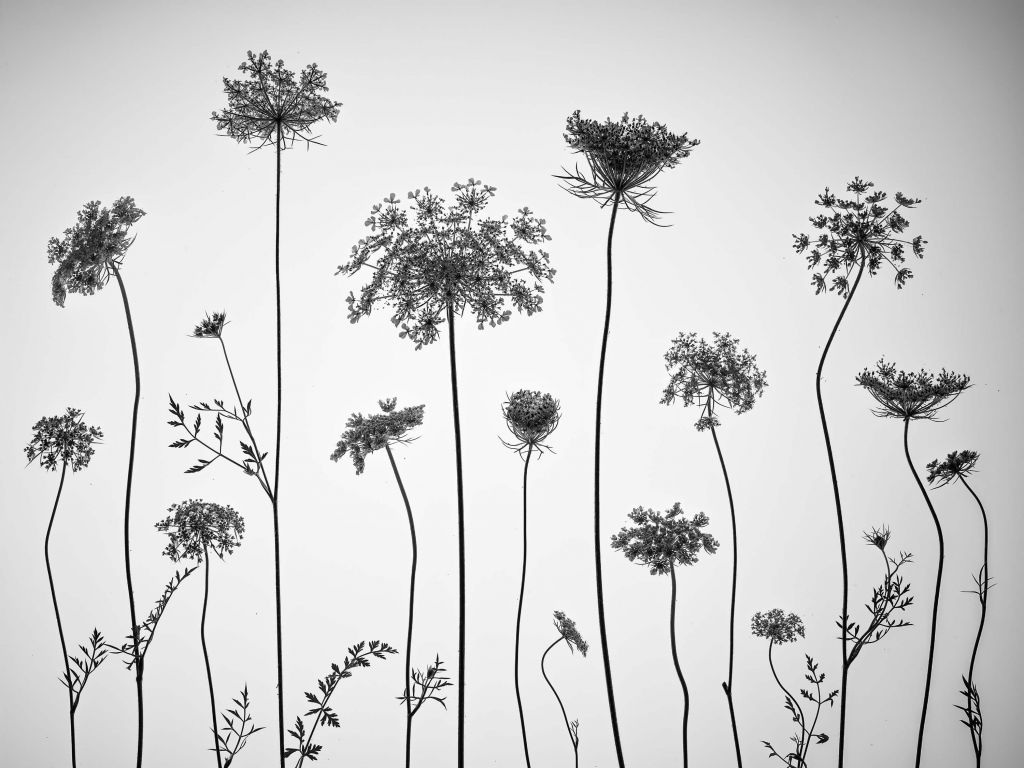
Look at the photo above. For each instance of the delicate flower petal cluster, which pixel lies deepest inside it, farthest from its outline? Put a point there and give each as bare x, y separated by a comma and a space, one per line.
858, 230
624, 157
434, 257
531, 417
909, 395
958, 464
712, 375
272, 104
567, 629
211, 327
195, 526
776, 626
64, 439
661, 541
366, 434
90, 250
878, 537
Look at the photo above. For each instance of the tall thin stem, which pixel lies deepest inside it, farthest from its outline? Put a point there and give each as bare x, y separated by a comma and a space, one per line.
139, 666
727, 686
206, 654
675, 660
598, 540
412, 601
983, 597
802, 721
460, 755
568, 728
277, 458
56, 613
519, 612
839, 509
935, 601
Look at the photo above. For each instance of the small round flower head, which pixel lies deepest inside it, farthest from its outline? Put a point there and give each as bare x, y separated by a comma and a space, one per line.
90, 250
195, 526
777, 626
858, 230
567, 629
878, 537
958, 464
624, 157
366, 434
663, 540
712, 375
531, 417
63, 440
211, 327
271, 104
908, 395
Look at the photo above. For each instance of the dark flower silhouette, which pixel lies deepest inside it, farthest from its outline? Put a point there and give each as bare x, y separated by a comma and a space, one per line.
567, 629
568, 634
777, 626
956, 466
211, 327
366, 434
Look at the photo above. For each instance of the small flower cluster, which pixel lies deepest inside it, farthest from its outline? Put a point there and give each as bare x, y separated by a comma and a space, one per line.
567, 629
776, 626
366, 434
661, 541
908, 395
531, 417
710, 375
195, 526
878, 537
958, 464
211, 327
64, 439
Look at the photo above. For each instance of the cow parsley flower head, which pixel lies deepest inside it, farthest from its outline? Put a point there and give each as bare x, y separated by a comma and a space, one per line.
712, 375
366, 434
531, 417
957, 465
908, 395
92, 249
196, 526
211, 327
567, 629
624, 157
270, 104
64, 439
436, 258
776, 626
858, 230
661, 541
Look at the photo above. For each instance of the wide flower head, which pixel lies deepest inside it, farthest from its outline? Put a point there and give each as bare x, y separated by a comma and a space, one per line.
624, 157
431, 259
64, 439
567, 629
531, 417
909, 395
712, 375
662, 540
776, 626
92, 249
271, 104
957, 465
858, 230
366, 434
196, 526
211, 326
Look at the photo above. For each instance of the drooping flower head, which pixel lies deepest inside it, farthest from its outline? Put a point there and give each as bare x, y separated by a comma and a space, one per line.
567, 629
908, 395
957, 465
92, 249
712, 375
366, 434
270, 104
211, 327
531, 417
858, 230
64, 439
624, 157
434, 257
776, 626
195, 526
878, 537
663, 540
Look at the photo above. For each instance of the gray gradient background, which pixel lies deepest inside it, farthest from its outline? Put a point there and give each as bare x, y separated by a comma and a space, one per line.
106, 99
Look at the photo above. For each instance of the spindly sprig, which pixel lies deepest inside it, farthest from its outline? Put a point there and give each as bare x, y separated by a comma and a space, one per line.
437, 257
624, 157
82, 667
63, 440
426, 685
956, 466
908, 394
661, 540
531, 417
238, 727
366, 434
195, 526
147, 629
858, 231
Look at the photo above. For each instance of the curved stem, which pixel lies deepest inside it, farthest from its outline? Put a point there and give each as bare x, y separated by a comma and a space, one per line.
460, 755
675, 660
519, 613
139, 666
727, 686
597, 495
839, 509
412, 601
206, 654
983, 597
935, 601
568, 728
277, 459
802, 722
56, 613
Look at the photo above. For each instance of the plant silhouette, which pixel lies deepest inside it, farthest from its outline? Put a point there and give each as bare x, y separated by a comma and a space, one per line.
568, 634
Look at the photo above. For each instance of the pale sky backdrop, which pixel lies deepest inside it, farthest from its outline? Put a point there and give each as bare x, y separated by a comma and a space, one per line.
104, 99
